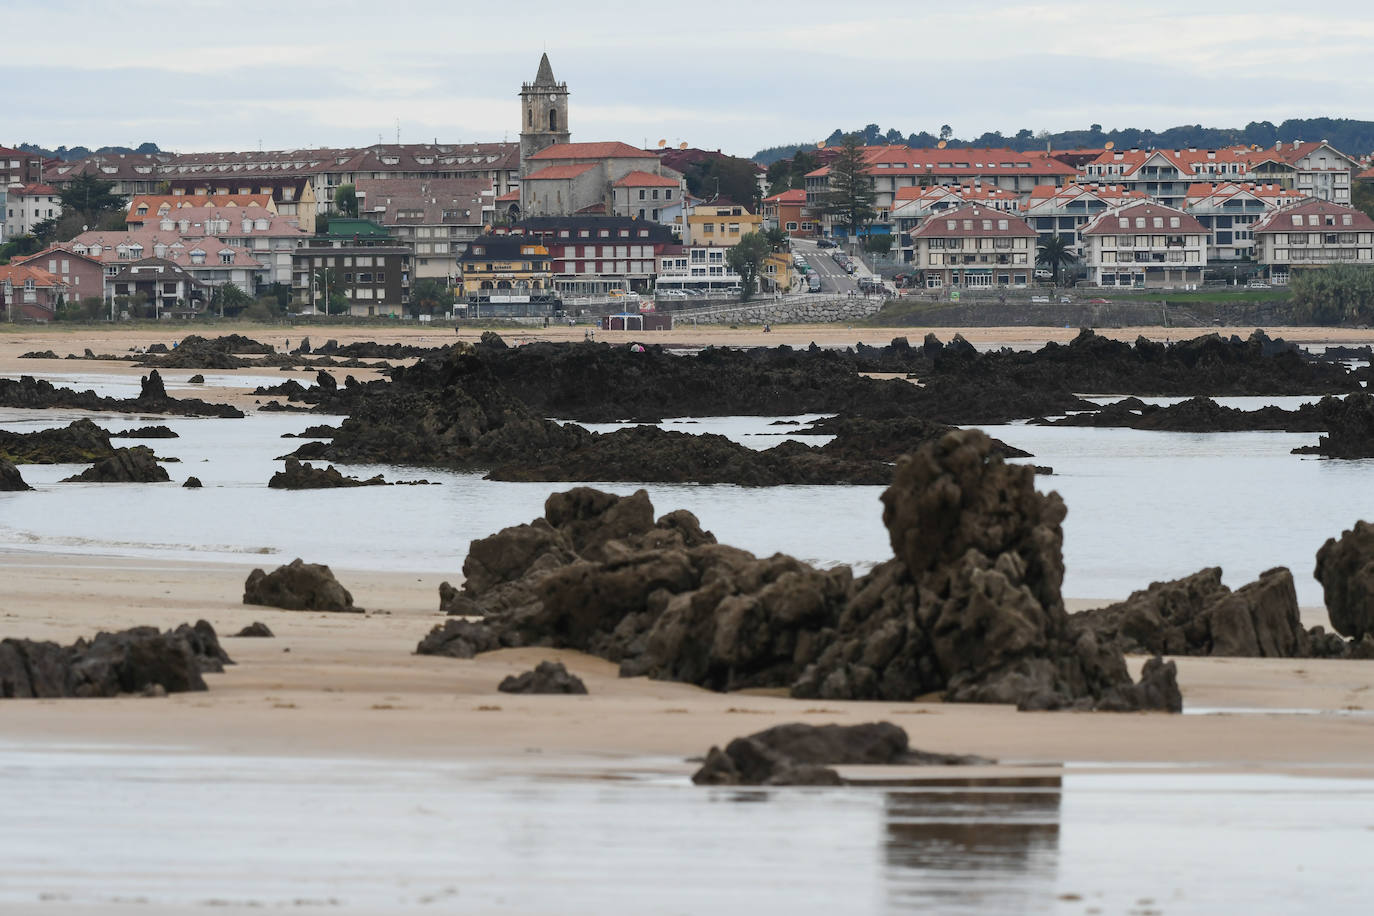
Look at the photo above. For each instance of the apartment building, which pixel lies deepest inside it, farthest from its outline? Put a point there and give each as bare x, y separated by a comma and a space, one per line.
592, 255
1229, 212
375, 279
974, 247
1314, 169
507, 275
1145, 245
82, 275
435, 217
267, 237
165, 288
210, 260
1313, 233
28, 205
19, 167
719, 224
914, 205
1063, 212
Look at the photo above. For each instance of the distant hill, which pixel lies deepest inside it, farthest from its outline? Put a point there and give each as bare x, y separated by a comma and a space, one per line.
67, 154
1352, 137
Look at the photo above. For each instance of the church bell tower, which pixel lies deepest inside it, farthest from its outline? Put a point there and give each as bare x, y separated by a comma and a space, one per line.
543, 114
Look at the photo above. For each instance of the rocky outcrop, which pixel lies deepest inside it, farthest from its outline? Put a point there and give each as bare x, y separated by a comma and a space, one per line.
1349, 425
11, 481
125, 465
78, 442
196, 352
969, 607
297, 476
547, 677
138, 660
257, 630
36, 394
448, 599
146, 432
798, 754
1198, 615
192, 483
1345, 568
298, 586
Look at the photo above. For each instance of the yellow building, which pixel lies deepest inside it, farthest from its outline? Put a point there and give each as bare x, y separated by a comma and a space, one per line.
510, 273
777, 272
720, 224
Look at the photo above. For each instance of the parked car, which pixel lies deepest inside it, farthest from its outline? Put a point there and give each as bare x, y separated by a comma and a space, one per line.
825, 243
1043, 274
1257, 284
1099, 302
1063, 298
1040, 298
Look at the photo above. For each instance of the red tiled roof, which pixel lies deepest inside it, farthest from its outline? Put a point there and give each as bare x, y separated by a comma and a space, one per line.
64, 248
968, 221
1107, 223
790, 196
510, 197
1281, 220
645, 180
559, 172
155, 201
610, 149
19, 274
32, 189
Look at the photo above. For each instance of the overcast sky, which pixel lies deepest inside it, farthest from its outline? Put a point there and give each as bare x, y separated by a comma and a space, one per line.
196, 75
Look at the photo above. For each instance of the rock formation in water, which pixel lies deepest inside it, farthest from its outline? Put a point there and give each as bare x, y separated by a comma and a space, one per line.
298, 476
11, 481
125, 465
78, 442
798, 754
1349, 425
298, 586
36, 394
146, 432
192, 483
969, 607
546, 677
1345, 568
137, 660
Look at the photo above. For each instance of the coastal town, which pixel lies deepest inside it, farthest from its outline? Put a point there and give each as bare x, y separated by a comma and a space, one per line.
553, 225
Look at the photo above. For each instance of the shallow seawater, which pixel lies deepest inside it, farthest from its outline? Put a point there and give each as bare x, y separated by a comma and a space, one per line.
356, 835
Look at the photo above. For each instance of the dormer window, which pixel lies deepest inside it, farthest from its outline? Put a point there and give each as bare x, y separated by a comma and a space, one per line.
226, 257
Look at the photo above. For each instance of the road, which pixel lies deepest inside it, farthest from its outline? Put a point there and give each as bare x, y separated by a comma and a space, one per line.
834, 280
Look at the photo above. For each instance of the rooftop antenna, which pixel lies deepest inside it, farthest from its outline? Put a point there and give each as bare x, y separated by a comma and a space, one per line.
398, 131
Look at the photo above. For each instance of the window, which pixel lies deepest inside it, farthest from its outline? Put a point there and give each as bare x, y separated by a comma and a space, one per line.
365, 278
642, 194
226, 257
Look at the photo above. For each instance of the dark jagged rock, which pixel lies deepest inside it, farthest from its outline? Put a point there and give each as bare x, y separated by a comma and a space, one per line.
192, 483
864, 439
298, 586
36, 394
547, 677
1198, 615
297, 476
196, 352
39, 354
798, 754
125, 465
1345, 568
130, 661
313, 432
78, 442
449, 600
196, 379
146, 432
1349, 423
256, 629
1203, 415
11, 481
970, 606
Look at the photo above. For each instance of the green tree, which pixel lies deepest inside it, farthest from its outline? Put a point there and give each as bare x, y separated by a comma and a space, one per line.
746, 259
92, 202
227, 299
777, 238
346, 200
430, 295
1339, 294
851, 196
878, 244
1055, 254
1362, 197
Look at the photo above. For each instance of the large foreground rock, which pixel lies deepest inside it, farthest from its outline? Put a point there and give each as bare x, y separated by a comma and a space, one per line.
298, 586
1345, 568
970, 606
1198, 615
126, 465
137, 660
11, 480
799, 754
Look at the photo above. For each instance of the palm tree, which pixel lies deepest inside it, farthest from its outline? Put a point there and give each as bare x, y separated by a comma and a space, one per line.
1054, 253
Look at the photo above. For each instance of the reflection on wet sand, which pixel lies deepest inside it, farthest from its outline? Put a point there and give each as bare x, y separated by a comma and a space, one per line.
978, 845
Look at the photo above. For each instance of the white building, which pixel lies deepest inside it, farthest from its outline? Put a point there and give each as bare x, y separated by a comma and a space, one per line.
264, 235
975, 247
28, 205
1145, 245
1314, 233
1229, 212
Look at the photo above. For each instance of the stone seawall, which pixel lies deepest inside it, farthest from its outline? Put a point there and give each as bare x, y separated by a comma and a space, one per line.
786, 311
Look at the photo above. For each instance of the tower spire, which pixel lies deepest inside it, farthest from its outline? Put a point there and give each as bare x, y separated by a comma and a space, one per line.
545, 75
